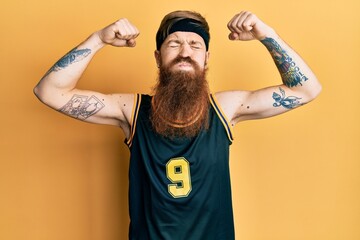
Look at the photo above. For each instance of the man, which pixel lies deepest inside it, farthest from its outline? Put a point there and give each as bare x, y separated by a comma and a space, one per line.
179, 138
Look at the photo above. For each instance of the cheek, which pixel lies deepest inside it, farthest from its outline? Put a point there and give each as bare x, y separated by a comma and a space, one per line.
167, 59
201, 61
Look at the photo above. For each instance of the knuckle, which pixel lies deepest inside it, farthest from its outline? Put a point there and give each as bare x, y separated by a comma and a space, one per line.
234, 24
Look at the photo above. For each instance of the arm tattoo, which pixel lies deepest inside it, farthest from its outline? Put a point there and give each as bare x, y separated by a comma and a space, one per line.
82, 107
290, 73
287, 102
71, 57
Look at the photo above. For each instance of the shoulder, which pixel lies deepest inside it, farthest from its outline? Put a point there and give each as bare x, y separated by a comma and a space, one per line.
129, 102
230, 101
231, 96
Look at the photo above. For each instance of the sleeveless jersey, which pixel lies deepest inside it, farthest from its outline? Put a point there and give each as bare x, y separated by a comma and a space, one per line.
179, 188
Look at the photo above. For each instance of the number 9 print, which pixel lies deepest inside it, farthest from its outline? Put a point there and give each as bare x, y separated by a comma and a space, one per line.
178, 172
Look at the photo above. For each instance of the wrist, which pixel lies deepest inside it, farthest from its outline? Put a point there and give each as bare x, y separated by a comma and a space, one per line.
95, 41
269, 33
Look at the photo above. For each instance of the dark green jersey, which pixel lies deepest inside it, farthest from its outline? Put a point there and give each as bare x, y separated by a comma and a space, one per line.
179, 189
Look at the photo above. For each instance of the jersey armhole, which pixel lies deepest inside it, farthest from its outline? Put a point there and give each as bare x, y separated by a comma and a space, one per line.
134, 116
222, 117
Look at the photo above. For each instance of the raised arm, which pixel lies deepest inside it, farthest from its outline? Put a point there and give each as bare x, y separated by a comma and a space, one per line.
57, 89
299, 84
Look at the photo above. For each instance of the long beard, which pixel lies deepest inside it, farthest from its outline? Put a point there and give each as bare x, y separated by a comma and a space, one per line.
181, 101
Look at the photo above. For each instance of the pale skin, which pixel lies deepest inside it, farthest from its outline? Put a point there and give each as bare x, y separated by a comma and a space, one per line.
58, 87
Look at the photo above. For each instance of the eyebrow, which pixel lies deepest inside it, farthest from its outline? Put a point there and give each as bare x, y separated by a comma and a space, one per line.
195, 42
191, 42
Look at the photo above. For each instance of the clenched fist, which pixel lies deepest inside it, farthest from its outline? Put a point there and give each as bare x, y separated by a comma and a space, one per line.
247, 26
121, 33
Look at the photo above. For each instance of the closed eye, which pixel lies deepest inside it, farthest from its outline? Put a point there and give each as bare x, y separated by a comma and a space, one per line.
174, 43
196, 45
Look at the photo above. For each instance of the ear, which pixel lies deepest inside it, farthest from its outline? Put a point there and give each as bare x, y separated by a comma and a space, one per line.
157, 57
207, 56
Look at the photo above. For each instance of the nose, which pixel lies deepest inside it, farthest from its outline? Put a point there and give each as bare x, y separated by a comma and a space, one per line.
185, 50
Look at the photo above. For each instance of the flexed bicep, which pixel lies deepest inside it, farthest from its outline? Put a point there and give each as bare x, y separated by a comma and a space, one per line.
95, 107
263, 103
82, 107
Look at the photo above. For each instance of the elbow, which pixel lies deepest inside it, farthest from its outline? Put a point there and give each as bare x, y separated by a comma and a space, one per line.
37, 92
315, 92
41, 93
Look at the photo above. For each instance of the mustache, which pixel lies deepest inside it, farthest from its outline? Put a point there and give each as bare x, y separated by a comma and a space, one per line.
179, 59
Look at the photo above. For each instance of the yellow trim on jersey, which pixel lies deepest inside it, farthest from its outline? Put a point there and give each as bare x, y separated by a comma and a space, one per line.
134, 115
222, 116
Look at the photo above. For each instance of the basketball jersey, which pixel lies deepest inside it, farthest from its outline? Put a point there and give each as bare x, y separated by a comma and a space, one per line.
179, 188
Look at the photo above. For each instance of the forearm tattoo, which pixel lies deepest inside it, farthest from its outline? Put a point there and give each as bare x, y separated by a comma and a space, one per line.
290, 73
71, 57
82, 107
287, 102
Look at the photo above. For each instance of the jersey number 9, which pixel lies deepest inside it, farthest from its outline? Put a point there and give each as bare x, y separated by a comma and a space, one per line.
178, 172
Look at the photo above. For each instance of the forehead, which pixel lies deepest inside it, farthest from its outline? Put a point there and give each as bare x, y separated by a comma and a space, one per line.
186, 36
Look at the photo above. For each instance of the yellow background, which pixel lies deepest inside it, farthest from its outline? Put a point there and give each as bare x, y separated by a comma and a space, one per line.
295, 176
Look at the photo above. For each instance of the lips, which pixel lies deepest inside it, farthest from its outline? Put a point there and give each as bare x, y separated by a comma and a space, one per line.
184, 64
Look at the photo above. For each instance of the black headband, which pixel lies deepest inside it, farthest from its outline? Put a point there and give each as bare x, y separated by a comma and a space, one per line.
184, 25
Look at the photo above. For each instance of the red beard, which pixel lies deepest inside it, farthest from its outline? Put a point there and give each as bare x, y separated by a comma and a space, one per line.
181, 101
